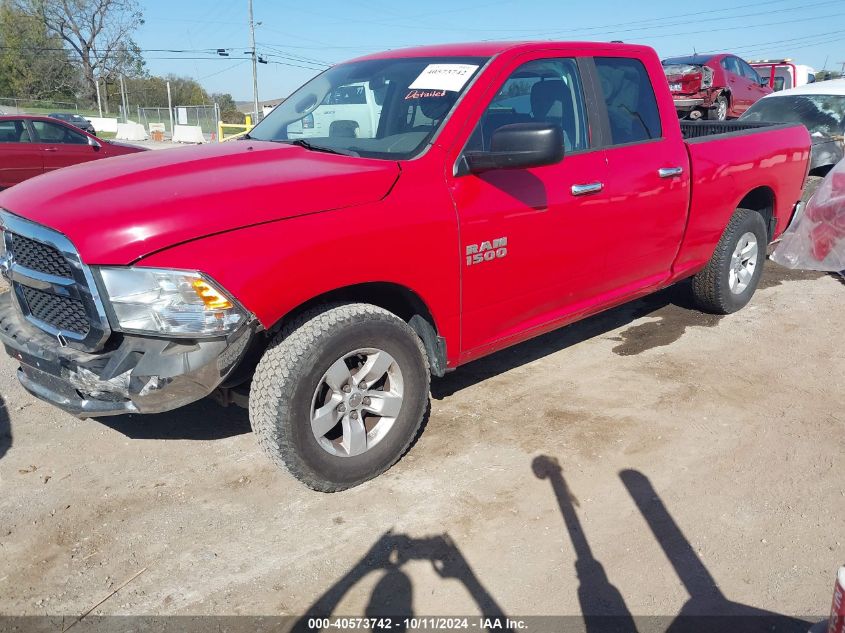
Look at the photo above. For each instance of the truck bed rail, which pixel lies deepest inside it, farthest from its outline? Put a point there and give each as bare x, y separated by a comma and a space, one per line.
697, 129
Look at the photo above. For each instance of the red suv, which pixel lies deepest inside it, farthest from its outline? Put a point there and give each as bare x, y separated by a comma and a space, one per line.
717, 87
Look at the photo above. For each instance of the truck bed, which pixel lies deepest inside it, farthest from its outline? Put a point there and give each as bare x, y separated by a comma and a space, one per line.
734, 160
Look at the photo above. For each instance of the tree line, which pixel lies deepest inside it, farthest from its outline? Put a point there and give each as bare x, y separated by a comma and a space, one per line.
60, 50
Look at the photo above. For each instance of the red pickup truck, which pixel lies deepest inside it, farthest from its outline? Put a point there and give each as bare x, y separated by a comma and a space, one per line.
507, 189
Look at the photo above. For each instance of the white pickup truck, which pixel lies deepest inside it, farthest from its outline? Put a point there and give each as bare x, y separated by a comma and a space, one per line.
347, 111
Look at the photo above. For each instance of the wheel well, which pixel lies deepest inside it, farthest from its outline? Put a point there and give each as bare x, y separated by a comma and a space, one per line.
821, 170
761, 200
395, 298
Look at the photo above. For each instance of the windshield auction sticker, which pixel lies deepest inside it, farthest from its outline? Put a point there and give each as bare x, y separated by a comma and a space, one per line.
450, 77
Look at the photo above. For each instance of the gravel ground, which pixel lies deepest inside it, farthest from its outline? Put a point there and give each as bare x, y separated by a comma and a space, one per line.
652, 460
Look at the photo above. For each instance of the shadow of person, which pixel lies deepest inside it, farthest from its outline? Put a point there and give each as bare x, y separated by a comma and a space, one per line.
602, 606
707, 608
201, 420
392, 597
5, 429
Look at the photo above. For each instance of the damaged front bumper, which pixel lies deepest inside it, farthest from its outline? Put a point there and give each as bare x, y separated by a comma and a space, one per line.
138, 374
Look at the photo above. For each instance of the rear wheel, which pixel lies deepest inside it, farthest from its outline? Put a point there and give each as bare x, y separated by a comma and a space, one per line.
810, 186
340, 394
719, 111
731, 276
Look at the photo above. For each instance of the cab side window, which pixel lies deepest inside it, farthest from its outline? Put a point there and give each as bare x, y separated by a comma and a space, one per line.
56, 133
544, 90
629, 97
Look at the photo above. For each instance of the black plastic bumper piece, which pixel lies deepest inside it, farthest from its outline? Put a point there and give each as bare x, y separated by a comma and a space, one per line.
138, 375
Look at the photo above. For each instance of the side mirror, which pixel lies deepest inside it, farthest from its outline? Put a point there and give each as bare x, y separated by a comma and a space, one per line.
518, 146
94, 143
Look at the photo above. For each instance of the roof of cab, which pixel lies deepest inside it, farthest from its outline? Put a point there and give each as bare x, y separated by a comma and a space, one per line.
489, 49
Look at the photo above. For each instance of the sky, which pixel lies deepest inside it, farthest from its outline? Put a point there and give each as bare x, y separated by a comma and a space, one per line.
298, 40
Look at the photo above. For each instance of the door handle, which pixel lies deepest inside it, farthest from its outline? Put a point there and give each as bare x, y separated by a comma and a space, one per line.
670, 172
51, 149
583, 190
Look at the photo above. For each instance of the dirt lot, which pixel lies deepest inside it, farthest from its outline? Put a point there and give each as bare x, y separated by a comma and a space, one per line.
652, 460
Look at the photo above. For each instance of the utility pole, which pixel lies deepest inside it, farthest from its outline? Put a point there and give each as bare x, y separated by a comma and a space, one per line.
124, 100
170, 107
254, 62
99, 102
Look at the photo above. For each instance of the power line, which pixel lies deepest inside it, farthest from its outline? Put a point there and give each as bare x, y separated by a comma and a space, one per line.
671, 24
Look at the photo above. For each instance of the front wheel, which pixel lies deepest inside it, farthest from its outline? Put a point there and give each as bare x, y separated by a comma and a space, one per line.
731, 276
340, 394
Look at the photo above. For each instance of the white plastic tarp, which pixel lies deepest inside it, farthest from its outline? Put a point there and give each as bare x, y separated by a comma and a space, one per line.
816, 238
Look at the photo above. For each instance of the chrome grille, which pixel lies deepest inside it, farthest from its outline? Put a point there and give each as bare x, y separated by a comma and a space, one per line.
53, 289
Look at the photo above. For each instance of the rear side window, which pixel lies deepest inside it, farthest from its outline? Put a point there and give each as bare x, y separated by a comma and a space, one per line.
629, 96
730, 64
13, 132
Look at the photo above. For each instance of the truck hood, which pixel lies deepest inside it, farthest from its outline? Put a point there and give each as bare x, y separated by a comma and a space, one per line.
118, 210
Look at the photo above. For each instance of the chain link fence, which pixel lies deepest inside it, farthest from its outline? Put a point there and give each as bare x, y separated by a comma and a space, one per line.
205, 116
11, 105
147, 115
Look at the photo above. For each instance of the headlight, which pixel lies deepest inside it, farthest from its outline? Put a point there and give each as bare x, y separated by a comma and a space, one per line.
174, 302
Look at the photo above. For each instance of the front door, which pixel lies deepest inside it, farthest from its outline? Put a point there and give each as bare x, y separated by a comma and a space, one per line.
530, 249
61, 145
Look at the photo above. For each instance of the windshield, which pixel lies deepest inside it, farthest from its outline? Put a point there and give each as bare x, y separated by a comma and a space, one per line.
822, 115
381, 108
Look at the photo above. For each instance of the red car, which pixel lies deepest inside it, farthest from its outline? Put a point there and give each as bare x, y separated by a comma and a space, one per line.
505, 190
33, 145
716, 87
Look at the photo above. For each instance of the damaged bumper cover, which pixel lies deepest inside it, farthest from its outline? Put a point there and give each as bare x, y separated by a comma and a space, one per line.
704, 99
138, 375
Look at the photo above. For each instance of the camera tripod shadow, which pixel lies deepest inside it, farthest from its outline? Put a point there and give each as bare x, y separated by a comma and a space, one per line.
392, 597
602, 606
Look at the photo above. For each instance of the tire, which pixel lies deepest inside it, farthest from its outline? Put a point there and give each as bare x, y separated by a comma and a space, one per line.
291, 384
719, 111
715, 289
810, 186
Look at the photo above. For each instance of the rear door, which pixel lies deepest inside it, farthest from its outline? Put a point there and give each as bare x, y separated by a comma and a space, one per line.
740, 86
648, 180
62, 145
20, 158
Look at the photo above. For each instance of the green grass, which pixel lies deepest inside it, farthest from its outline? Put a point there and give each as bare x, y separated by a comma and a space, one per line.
106, 135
